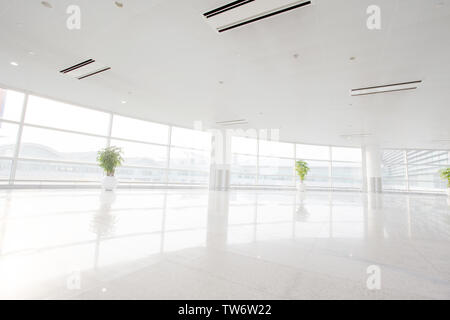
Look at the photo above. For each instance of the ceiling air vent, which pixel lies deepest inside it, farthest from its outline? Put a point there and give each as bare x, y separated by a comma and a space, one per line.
238, 13
395, 87
232, 122
85, 69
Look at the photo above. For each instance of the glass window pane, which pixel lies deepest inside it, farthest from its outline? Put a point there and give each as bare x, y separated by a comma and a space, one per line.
189, 159
5, 171
140, 175
276, 180
11, 104
8, 138
244, 145
276, 166
139, 130
191, 138
56, 145
40, 170
393, 156
429, 157
304, 151
141, 154
242, 179
423, 172
276, 149
176, 176
60, 115
243, 164
318, 169
394, 171
346, 154
318, 181
347, 170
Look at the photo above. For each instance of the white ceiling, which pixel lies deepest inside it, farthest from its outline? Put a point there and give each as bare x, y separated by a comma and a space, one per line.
168, 63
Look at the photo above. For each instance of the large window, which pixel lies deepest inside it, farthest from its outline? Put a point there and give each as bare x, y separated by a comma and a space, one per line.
271, 163
346, 167
54, 114
57, 143
139, 130
414, 170
11, 110
394, 170
319, 161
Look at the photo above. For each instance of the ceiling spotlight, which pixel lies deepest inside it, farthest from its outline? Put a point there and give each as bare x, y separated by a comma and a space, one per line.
123, 102
47, 4
13, 63
31, 53
119, 4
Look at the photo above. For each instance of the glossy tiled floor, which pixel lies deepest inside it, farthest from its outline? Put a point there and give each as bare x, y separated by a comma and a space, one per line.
173, 244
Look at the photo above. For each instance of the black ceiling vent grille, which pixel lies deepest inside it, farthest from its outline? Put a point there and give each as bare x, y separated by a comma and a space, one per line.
85, 69
393, 87
242, 12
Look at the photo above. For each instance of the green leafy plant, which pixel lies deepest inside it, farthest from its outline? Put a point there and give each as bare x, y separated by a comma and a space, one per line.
445, 174
302, 169
109, 159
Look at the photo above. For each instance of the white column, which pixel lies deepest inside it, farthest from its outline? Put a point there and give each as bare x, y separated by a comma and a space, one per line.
373, 165
219, 177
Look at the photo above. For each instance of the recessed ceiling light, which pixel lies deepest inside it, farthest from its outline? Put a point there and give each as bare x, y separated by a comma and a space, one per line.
119, 4
31, 53
352, 58
13, 63
123, 102
47, 4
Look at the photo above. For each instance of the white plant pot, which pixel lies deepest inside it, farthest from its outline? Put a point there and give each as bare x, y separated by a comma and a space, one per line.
109, 183
300, 186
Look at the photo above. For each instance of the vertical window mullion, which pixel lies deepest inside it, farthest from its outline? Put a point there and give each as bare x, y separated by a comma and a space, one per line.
257, 158
405, 154
330, 170
12, 175
169, 147
110, 126
295, 160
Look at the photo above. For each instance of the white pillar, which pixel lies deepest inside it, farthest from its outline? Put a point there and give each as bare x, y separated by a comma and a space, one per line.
219, 176
373, 165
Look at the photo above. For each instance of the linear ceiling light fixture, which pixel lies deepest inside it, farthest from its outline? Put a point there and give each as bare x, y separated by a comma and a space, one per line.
77, 66
94, 73
241, 12
395, 87
232, 122
85, 69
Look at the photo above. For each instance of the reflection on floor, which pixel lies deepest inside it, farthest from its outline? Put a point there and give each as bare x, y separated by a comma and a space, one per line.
182, 244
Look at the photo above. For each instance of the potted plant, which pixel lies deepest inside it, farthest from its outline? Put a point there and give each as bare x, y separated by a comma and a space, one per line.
302, 170
109, 159
445, 174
